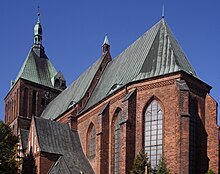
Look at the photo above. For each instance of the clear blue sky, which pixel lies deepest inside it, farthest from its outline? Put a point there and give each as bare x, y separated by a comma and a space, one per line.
73, 33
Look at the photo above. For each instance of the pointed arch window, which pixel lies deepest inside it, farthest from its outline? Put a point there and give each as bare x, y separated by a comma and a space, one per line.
116, 140
91, 141
25, 102
34, 102
153, 132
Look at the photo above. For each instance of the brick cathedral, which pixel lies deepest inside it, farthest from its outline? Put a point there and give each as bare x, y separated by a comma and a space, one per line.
148, 97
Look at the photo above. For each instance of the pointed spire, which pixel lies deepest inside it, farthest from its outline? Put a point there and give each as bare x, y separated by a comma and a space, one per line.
106, 45
106, 42
38, 14
38, 30
163, 10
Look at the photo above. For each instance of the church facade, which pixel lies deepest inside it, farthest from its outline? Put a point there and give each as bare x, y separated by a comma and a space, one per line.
148, 97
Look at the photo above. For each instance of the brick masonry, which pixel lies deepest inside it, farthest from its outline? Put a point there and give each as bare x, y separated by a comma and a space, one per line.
19, 103
190, 131
181, 106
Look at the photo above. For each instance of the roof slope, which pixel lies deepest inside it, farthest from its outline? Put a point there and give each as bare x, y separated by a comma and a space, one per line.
37, 68
60, 166
73, 93
24, 137
155, 53
58, 138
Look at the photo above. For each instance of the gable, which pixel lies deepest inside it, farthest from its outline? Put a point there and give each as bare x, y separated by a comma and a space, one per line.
58, 138
32, 143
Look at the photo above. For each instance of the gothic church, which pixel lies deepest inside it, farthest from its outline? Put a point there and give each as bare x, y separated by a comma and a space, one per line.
148, 97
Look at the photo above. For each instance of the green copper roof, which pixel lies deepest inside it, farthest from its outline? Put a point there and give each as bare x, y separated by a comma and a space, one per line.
154, 54
73, 93
37, 68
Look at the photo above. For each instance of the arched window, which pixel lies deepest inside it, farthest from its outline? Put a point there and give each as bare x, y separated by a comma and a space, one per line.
34, 102
153, 132
25, 102
91, 141
116, 140
57, 83
194, 143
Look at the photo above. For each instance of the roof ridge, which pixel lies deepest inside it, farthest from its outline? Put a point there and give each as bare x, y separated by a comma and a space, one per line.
172, 39
23, 66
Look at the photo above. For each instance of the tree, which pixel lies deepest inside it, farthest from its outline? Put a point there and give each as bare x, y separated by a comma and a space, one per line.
162, 167
8, 150
140, 164
210, 171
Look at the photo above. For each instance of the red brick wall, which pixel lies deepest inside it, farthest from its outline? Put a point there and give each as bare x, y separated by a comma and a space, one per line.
213, 132
177, 105
46, 162
133, 110
17, 103
163, 90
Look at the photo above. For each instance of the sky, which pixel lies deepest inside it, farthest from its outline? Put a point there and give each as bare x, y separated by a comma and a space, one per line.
73, 33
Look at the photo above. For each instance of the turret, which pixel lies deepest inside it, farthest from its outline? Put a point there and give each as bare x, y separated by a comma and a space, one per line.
106, 45
38, 32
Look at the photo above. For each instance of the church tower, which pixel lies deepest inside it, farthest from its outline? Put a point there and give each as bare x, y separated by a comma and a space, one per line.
35, 86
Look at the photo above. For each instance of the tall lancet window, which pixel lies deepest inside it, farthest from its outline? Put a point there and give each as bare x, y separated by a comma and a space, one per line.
116, 140
91, 141
153, 132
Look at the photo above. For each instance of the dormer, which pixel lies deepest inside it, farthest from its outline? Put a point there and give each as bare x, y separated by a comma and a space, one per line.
58, 81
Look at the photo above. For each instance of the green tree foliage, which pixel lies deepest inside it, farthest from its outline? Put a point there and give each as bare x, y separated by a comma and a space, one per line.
140, 164
162, 167
210, 171
8, 150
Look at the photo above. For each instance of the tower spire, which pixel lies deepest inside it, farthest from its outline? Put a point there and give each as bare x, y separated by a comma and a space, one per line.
106, 42
38, 30
163, 10
38, 13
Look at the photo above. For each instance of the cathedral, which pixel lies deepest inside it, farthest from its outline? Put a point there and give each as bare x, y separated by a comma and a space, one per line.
148, 97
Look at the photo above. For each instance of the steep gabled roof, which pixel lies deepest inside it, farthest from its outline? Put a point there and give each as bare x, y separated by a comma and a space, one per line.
58, 138
73, 93
37, 68
155, 53
60, 167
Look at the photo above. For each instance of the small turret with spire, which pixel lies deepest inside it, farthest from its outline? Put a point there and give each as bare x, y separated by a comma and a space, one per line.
38, 31
106, 45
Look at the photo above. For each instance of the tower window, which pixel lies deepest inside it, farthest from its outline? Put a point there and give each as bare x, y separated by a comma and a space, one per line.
34, 102
153, 132
57, 83
43, 102
63, 84
25, 102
